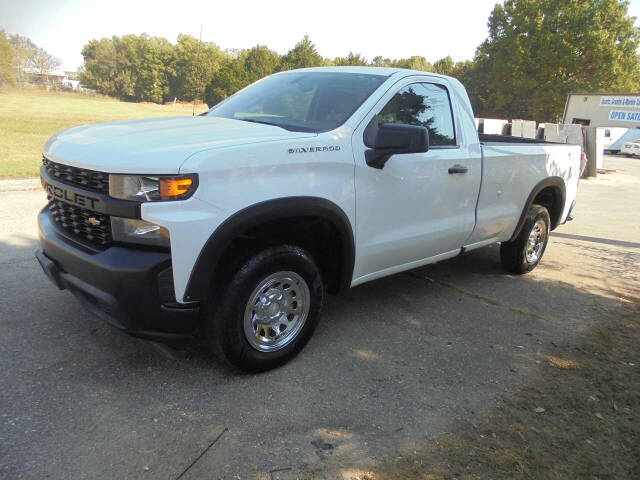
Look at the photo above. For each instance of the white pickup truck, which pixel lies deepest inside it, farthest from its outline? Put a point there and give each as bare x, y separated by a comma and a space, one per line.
235, 223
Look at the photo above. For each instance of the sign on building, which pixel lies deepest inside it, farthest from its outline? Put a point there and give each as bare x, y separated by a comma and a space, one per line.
619, 101
603, 110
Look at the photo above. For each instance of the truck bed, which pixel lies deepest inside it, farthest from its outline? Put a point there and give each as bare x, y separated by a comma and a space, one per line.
511, 169
487, 138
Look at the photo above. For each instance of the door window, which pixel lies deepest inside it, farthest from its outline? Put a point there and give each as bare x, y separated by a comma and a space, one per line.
426, 105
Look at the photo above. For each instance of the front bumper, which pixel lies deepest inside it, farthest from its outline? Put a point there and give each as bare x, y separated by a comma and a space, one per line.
128, 287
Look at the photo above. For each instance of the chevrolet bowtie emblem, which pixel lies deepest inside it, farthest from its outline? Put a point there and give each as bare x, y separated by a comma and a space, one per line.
94, 221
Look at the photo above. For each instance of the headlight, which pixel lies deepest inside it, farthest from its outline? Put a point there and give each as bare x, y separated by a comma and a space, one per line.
143, 188
131, 230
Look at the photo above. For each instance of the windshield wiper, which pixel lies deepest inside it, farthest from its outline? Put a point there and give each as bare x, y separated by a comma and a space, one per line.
252, 120
291, 128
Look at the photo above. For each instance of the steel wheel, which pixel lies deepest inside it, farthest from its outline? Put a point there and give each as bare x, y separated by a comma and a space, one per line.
523, 254
536, 241
276, 311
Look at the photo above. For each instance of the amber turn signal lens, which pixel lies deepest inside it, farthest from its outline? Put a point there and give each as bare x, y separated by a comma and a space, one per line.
174, 187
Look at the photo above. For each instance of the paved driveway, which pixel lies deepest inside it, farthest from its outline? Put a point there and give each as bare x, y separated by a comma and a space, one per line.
392, 365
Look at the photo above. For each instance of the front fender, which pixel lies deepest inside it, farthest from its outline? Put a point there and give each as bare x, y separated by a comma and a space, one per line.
262, 213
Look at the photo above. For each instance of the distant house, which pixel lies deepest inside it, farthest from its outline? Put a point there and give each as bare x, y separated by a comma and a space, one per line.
37, 78
54, 79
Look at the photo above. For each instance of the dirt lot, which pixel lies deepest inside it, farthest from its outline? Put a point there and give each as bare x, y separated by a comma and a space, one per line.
393, 366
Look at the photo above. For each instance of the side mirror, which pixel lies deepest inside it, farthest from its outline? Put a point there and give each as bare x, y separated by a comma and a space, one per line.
392, 139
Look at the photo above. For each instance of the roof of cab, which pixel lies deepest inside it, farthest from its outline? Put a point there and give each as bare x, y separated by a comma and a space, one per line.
385, 71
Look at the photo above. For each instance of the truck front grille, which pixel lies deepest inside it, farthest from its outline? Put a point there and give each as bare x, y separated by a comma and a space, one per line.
79, 177
85, 224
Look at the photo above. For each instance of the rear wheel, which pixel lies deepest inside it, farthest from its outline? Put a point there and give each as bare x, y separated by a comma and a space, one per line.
268, 311
524, 253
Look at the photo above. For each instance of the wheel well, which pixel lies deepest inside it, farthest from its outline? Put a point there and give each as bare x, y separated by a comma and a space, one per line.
552, 199
550, 193
317, 235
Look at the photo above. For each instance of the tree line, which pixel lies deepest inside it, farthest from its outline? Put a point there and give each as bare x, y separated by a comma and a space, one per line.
535, 54
143, 68
19, 57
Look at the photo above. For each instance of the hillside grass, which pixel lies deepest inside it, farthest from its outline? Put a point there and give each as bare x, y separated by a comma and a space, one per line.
29, 117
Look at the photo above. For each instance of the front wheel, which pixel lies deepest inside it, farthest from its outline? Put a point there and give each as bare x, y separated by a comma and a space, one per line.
524, 253
268, 311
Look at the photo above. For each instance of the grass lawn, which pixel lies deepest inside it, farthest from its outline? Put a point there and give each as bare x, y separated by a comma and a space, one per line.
29, 117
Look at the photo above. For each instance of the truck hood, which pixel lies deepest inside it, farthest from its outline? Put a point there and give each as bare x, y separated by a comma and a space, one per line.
157, 145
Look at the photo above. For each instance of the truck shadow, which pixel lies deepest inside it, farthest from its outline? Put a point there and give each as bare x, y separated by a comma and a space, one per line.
605, 241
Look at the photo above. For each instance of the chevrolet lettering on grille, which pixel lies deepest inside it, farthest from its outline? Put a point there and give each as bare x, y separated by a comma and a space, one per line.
69, 196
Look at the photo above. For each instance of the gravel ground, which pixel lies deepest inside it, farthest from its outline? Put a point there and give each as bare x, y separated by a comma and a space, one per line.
392, 365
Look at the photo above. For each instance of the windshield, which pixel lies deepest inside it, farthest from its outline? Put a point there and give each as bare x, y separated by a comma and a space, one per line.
301, 101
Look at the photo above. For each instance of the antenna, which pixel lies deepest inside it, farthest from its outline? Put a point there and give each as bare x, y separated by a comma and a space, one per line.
198, 71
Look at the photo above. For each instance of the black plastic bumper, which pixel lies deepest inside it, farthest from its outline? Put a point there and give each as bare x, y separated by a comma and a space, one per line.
119, 284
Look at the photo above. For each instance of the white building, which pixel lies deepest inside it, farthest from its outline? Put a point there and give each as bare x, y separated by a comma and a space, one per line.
603, 110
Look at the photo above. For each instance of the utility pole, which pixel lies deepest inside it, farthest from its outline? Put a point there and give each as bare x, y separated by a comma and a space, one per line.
590, 150
198, 70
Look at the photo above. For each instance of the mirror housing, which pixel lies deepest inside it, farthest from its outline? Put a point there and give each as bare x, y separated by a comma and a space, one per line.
392, 139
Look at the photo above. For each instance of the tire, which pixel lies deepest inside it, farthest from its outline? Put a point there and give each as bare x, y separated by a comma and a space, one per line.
519, 256
268, 311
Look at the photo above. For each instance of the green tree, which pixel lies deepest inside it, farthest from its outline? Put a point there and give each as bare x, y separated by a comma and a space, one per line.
412, 63
378, 61
192, 66
129, 67
29, 58
151, 82
538, 51
303, 55
102, 69
23, 50
231, 77
247, 67
444, 66
353, 59
260, 62
44, 63
7, 74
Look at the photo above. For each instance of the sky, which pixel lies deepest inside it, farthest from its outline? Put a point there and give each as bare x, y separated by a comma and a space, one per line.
428, 28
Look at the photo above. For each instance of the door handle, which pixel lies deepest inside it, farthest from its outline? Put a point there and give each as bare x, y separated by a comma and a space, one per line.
458, 169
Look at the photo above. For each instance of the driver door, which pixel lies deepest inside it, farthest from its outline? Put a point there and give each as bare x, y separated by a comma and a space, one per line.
420, 207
